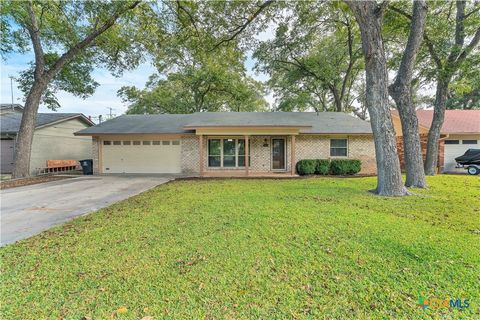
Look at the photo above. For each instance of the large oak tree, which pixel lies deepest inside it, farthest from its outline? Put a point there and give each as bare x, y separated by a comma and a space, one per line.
450, 41
369, 17
67, 39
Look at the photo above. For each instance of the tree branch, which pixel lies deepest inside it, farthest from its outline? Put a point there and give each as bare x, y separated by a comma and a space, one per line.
473, 11
380, 10
189, 15
245, 25
417, 27
470, 46
428, 42
67, 56
34, 32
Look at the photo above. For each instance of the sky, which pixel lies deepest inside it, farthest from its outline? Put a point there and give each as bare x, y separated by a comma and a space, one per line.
105, 96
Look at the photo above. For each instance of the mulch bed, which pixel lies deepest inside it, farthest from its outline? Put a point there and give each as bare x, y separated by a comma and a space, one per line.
28, 181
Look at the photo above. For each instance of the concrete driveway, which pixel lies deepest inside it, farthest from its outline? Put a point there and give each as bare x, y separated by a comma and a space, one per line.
29, 210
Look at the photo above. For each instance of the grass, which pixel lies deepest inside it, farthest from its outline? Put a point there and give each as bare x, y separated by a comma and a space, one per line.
263, 249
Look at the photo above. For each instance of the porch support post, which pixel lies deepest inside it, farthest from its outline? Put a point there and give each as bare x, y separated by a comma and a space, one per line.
292, 154
200, 154
246, 156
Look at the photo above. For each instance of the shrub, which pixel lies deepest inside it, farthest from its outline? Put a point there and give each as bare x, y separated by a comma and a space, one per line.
345, 166
306, 167
322, 166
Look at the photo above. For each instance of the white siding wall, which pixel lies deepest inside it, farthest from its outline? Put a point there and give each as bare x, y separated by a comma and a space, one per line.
57, 142
455, 150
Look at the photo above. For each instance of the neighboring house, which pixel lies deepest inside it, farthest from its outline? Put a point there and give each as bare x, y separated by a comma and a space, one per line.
53, 139
216, 144
460, 132
10, 108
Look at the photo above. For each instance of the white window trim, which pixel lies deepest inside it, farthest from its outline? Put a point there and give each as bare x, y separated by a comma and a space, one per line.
330, 148
221, 153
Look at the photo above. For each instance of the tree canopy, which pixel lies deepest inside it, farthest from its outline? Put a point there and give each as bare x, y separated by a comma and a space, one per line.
314, 59
60, 28
193, 75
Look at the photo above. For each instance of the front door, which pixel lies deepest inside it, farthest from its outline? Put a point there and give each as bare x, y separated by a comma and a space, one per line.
278, 154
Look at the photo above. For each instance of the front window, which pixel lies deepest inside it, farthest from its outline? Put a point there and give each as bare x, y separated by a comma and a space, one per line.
338, 147
226, 153
214, 152
229, 152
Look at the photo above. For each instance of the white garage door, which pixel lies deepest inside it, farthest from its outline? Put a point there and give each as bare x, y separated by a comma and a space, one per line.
456, 148
146, 156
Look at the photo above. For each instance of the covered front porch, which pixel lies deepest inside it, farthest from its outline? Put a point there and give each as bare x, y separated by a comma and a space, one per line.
246, 155
247, 151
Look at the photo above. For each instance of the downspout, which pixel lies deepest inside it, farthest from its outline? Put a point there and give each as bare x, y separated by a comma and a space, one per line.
442, 139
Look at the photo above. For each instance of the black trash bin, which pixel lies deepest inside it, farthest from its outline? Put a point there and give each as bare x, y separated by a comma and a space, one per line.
87, 166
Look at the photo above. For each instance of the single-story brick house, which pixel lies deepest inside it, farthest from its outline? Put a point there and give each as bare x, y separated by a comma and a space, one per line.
53, 138
460, 132
217, 143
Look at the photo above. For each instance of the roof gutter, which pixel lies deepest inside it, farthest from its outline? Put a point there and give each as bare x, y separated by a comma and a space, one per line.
445, 137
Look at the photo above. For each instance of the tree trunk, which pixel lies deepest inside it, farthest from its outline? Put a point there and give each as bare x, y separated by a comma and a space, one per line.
411, 141
23, 144
336, 98
389, 180
437, 122
401, 92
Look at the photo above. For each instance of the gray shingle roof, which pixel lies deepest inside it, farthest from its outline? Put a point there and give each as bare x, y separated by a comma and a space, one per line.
10, 123
9, 106
310, 122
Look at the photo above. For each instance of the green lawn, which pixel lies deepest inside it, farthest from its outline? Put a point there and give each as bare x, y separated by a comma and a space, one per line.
262, 249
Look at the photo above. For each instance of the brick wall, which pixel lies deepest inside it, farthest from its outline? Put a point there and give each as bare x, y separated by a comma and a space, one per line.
96, 155
189, 154
307, 147
423, 143
318, 147
363, 148
260, 155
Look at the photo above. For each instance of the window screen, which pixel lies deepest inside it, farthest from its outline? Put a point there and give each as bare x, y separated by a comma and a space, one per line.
338, 147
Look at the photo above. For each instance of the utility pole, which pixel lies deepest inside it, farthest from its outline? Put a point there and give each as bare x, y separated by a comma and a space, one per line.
11, 89
111, 114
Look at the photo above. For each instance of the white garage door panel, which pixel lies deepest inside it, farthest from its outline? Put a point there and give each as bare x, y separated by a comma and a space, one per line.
453, 151
141, 159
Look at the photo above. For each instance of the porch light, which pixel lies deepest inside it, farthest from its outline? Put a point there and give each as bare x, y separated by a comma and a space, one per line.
265, 143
